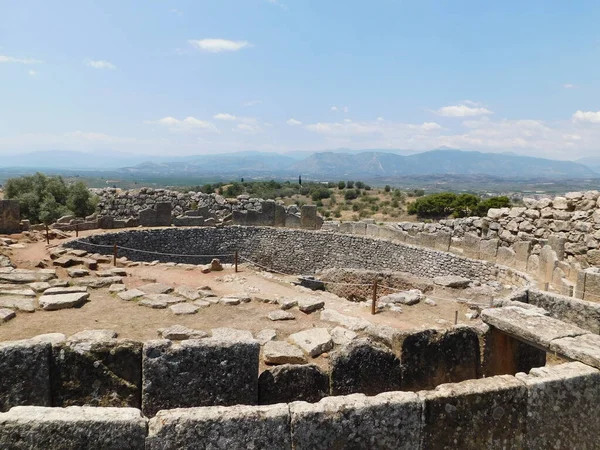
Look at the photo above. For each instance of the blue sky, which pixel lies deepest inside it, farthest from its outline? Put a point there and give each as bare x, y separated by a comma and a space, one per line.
190, 77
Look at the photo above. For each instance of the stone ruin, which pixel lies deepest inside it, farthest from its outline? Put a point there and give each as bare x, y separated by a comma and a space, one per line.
467, 387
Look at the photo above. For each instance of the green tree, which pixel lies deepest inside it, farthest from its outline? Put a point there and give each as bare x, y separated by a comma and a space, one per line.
79, 200
341, 185
351, 194
350, 184
387, 188
360, 185
51, 210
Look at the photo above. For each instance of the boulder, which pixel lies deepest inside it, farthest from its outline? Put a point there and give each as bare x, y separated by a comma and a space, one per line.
215, 265
364, 366
6, 315
313, 341
63, 301
288, 383
278, 352
183, 308
280, 315
411, 297
25, 304
342, 336
310, 305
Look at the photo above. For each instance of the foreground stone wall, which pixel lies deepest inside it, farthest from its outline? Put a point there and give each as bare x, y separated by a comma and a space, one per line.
298, 251
552, 407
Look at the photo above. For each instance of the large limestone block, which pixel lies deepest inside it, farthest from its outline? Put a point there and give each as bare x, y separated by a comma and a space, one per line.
430, 358
489, 413
488, 249
585, 348
313, 341
352, 323
235, 427
562, 407
529, 325
24, 374
63, 301
205, 372
97, 372
73, 428
388, 421
308, 217
506, 257
278, 352
364, 366
291, 382
583, 314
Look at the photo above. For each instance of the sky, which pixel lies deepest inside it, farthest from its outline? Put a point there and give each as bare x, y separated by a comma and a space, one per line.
175, 77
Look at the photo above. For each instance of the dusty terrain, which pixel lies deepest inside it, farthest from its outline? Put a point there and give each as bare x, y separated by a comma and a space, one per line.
130, 320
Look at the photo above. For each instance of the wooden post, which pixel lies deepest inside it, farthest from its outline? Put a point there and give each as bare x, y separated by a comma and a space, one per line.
235, 260
47, 235
76, 230
374, 303
455, 317
115, 254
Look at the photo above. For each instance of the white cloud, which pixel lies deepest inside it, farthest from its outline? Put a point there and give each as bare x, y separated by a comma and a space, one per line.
224, 116
463, 110
587, 116
11, 59
569, 86
218, 45
32, 73
247, 128
294, 122
430, 126
340, 108
252, 103
188, 124
380, 119
100, 64
176, 12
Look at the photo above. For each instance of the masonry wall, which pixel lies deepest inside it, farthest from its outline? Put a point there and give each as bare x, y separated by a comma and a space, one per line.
298, 251
552, 407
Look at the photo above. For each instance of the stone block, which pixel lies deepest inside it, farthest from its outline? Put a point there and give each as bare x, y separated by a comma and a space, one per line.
279, 216
471, 245
104, 372
426, 239
73, 428
548, 262
388, 421
235, 427
592, 286
562, 408
488, 249
583, 314
557, 243
522, 250
372, 230
489, 413
359, 228
163, 214
430, 358
506, 257
267, 217
204, 372
253, 217
442, 241
25, 374
584, 348
308, 217
240, 217
289, 383
364, 366
10, 217
106, 222
313, 341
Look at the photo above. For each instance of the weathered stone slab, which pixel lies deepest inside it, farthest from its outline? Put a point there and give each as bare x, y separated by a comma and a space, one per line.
313, 341
116, 288
6, 315
156, 288
180, 333
529, 325
235, 427
310, 305
25, 304
40, 286
266, 335
73, 428
342, 336
279, 352
25, 369
308, 217
18, 292
352, 323
289, 382
160, 301
489, 413
452, 281
10, 217
584, 348
130, 294
63, 301
562, 407
430, 358
209, 372
97, 283
231, 334
94, 369
65, 290
389, 421
280, 315
364, 366
583, 314
183, 309
187, 292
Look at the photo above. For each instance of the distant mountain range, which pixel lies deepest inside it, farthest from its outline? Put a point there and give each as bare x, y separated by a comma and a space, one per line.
340, 163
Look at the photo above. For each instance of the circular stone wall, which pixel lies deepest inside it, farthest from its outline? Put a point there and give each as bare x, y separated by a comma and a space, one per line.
293, 251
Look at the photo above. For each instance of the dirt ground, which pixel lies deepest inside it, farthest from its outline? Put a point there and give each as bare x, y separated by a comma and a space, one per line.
107, 311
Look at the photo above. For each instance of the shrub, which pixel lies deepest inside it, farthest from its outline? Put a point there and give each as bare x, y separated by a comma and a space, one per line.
45, 199
387, 188
341, 185
351, 194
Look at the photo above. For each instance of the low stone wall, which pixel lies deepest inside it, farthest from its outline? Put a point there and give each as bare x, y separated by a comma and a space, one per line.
297, 251
551, 407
